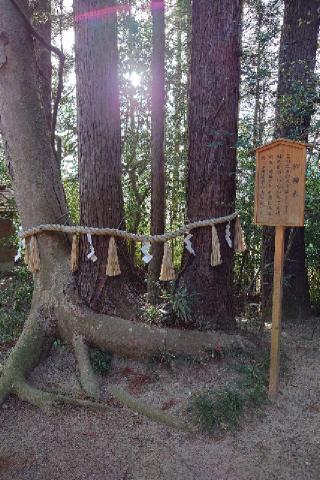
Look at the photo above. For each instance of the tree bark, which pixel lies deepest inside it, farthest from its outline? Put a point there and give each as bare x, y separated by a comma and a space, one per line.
157, 145
99, 150
42, 23
256, 134
296, 98
211, 187
56, 306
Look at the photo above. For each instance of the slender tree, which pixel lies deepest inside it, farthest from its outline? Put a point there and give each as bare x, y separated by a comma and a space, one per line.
177, 66
157, 142
296, 98
211, 187
99, 149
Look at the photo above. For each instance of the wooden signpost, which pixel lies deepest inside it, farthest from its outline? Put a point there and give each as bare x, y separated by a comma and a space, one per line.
279, 202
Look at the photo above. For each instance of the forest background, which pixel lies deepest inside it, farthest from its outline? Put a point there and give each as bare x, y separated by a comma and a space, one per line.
261, 30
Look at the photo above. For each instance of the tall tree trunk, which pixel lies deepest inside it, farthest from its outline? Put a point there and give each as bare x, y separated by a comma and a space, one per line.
56, 308
257, 97
157, 144
99, 144
213, 116
42, 23
295, 105
178, 60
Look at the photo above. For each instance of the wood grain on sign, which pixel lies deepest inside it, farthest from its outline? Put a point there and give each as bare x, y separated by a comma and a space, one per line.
280, 183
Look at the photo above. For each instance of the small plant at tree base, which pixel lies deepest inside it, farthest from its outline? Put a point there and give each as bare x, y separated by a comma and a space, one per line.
100, 361
57, 343
152, 314
178, 302
220, 409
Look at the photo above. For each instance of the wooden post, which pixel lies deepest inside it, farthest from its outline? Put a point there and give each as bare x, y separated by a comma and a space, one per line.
279, 203
276, 311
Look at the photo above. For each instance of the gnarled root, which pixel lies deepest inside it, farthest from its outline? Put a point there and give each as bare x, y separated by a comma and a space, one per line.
24, 356
80, 327
152, 413
44, 399
124, 337
88, 380
90, 385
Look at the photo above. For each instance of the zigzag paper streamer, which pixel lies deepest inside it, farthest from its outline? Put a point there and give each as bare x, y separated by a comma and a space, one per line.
228, 235
91, 255
188, 244
147, 257
22, 246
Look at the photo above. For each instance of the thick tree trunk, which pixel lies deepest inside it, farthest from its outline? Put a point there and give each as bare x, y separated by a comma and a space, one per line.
213, 115
295, 105
99, 144
56, 307
157, 144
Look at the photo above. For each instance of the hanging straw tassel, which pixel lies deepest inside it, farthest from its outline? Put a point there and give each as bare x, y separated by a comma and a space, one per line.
113, 267
239, 241
74, 258
33, 255
215, 253
167, 270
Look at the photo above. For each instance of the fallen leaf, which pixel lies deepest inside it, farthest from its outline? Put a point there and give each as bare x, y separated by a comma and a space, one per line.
313, 407
169, 404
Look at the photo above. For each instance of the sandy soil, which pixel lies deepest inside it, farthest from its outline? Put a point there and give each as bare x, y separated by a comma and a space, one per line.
70, 443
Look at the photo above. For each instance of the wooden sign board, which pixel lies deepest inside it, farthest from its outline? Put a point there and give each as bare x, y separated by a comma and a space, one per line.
279, 202
280, 183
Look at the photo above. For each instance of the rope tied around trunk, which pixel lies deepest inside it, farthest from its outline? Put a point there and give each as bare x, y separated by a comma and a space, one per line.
112, 264
115, 232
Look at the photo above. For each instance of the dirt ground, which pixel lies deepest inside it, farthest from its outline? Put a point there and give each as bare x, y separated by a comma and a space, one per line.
282, 442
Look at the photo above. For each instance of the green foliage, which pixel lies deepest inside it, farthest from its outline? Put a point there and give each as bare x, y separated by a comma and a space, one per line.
100, 361
174, 310
71, 188
152, 314
259, 66
15, 299
220, 409
312, 229
178, 303
253, 383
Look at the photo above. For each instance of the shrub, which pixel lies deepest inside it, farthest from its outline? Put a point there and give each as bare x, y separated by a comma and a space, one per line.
220, 409
100, 361
178, 304
15, 299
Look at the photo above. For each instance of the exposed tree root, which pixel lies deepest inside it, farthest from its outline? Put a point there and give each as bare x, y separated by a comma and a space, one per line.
44, 399
23, 357
5, 389
78, 326
124, 337
90, 385
154, 414
88, 380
